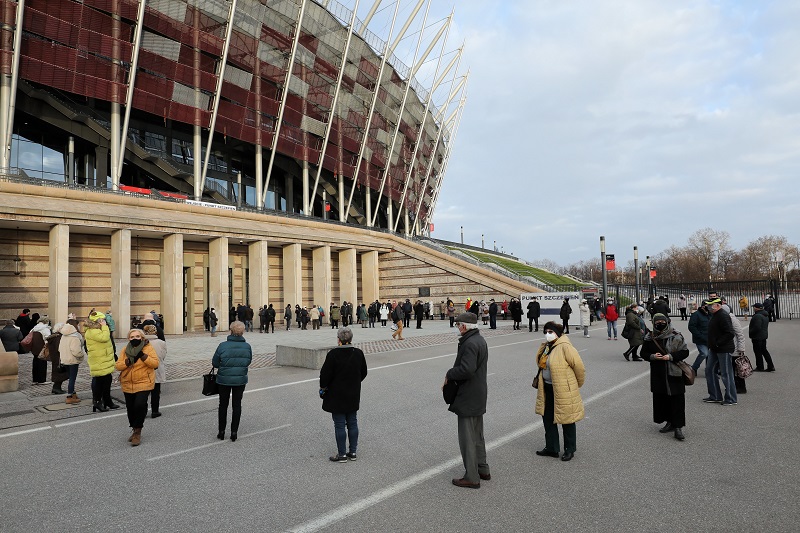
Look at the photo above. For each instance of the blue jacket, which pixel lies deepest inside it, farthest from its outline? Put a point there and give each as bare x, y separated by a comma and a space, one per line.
698, 325
232, 357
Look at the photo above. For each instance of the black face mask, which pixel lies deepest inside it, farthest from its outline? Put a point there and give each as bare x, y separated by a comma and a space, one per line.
136, 342
660, 326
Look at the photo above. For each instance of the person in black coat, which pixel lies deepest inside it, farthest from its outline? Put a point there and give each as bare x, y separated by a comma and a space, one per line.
721, 346
564, 313
25, 322
759, 332
340, 380
515, 308
534, 312
662, 347
419, 313
493, 314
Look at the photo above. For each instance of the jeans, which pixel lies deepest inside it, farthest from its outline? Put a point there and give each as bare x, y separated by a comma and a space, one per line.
724, 363
225, 392
350, 420
73, 375
702, 354
611, 324
248, 325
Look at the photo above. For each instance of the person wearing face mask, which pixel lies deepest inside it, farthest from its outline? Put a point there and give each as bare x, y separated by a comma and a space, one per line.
560, 375
635, 332
137, 376
662, 347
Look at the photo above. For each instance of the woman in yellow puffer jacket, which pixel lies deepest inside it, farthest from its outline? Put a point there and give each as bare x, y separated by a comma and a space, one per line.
137, 365
561, 374
101, 361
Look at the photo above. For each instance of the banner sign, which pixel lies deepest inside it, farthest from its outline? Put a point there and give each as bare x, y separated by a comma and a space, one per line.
610, 263
550, 304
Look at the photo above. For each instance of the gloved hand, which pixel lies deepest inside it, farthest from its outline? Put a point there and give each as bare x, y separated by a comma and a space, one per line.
142, 356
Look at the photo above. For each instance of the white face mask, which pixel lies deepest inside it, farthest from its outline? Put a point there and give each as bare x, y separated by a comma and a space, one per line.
550, 337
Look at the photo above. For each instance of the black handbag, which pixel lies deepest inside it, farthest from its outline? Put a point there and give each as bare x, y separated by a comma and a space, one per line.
210, 387
449, 391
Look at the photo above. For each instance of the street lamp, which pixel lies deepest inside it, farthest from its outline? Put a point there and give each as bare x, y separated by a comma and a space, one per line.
603, 266
636, 271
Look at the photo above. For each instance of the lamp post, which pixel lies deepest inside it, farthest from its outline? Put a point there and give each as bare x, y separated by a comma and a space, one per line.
462, 234
649, 278
603, 266
636, 272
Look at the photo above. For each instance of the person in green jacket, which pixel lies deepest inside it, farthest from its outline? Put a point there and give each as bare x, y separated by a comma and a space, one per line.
100, 355
232, 358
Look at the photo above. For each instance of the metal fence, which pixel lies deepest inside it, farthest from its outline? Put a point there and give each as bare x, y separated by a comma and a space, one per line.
785, 293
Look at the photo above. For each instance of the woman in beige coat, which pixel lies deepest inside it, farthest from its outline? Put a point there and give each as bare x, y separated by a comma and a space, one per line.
560, 374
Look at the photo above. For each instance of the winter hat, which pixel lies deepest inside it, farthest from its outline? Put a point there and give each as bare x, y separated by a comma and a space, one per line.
467, 318
557, 328
97, 315
758, 305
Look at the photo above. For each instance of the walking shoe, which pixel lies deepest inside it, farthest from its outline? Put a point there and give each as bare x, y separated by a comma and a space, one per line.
352, 456
771, 369
466, 484
57, 390
637, 358
726, 404
711, 400
667, 428
338, 458
626, 355
485, 477
546, 453
679, 434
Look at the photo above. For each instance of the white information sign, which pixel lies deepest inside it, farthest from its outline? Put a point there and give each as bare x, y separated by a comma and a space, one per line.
550, 304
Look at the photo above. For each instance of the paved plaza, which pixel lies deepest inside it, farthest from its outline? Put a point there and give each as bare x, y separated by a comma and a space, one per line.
738, 470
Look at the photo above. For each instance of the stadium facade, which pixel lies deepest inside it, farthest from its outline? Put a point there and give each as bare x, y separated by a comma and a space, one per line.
272, 151
241, 102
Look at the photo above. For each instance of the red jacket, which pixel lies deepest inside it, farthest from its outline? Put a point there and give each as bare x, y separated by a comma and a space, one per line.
611, 312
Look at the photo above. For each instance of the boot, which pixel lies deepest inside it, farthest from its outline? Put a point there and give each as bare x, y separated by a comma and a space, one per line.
99, 406
73, 399
136, 438
57, 389
133, 432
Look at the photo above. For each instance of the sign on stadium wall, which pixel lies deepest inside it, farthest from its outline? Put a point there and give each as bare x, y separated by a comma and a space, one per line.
550, 304
209, 204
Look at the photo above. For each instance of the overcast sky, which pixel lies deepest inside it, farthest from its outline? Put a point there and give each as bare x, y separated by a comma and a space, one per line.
643, 121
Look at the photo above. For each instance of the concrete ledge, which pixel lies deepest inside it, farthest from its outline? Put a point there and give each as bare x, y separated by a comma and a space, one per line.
9, 372
303, 357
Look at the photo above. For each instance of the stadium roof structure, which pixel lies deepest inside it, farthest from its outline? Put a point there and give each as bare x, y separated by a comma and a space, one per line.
291, 105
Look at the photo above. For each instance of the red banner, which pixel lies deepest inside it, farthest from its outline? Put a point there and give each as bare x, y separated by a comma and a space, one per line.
610, 263
652, 273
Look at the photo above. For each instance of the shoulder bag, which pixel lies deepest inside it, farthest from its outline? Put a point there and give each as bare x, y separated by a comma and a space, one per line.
210, 387
685, 370
449, 391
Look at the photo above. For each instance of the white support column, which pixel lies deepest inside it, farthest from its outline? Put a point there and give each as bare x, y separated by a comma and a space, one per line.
340, 194
172, 284
307, 208
5, 94
121, 281
368, 201
378, 82
396, 133
197, 162
284, 96
58, 268
331, 118
258, 262
137, 42
218, 280
421, 131
8, 125
442, 127
259, 173
218, 92
446, 159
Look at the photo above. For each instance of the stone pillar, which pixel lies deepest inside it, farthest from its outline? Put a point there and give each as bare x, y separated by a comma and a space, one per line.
292, 276
58, 287
218, 280
257, 259
322, 278
348, 284
172, 284
121, 281
370, 277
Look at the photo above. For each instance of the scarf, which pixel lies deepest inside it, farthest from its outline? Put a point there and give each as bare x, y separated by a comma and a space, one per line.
132, 353
543, 357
